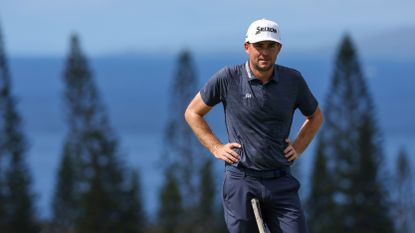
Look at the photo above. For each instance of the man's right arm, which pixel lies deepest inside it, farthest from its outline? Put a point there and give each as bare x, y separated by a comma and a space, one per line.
194, 116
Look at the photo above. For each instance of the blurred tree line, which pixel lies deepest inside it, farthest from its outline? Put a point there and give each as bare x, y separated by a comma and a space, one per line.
348, 191
96, 192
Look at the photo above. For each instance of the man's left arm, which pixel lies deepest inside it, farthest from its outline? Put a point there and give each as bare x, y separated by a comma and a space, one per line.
305, 135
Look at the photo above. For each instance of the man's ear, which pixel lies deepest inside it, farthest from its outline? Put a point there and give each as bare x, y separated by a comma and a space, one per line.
279, 47
246, 46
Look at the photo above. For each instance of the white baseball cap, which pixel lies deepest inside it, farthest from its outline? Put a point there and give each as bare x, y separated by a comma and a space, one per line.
262, 30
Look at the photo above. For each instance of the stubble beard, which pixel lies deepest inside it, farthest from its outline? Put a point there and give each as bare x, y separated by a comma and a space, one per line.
263, 69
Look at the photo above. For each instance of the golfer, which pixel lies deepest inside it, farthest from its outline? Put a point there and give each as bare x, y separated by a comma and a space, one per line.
259, 100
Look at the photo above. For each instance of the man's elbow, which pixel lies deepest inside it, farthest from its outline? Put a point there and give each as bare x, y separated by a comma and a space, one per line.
188, 114
196, 109
319, 117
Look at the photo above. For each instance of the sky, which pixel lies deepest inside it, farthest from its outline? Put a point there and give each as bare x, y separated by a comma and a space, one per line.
43, 27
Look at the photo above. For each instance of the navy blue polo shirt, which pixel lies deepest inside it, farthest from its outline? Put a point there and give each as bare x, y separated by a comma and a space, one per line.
259, 116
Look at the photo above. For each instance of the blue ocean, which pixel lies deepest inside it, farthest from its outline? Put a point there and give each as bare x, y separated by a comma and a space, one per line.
136, 88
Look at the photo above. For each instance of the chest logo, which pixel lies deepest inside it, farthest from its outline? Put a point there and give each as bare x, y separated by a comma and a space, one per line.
248, 96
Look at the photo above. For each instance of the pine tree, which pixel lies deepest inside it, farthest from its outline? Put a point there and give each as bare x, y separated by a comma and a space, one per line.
134, 216
17, 213
183, 155
208, 209
320, 203
4, 93
404, 200
351, 143
65, 205
181, 143
90, 157
170, 213
207, 189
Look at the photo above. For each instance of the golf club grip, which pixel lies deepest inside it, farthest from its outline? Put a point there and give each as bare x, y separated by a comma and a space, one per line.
258, 216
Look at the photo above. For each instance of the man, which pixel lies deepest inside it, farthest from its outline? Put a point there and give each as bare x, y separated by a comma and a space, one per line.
259, 99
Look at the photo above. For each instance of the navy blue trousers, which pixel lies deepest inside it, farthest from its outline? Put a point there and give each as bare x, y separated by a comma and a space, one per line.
279, 201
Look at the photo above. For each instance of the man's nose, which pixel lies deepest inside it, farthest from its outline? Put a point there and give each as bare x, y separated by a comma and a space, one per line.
265, 51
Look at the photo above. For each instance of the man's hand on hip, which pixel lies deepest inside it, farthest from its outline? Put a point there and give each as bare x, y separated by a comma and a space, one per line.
226, 153
290, 152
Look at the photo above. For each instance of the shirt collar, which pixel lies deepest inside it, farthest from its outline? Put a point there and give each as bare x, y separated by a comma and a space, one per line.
252, 77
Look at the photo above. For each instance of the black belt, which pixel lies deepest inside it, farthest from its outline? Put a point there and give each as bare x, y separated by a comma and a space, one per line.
267, 174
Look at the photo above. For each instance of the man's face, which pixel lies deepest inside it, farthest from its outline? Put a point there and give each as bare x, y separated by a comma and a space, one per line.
262, 55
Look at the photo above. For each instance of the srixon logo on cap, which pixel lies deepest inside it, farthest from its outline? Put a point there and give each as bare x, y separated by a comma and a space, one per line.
265, 29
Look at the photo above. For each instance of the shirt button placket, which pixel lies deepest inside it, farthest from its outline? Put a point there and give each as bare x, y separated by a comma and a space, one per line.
263, 95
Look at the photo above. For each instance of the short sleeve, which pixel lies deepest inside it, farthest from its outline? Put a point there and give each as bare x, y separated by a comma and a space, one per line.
306, 101
214, 91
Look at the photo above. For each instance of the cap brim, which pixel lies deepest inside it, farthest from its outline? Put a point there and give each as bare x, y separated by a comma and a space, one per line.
263, 39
